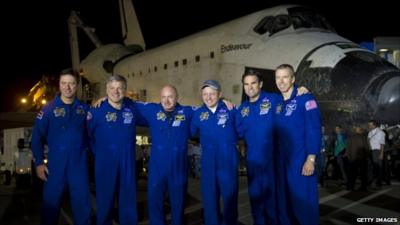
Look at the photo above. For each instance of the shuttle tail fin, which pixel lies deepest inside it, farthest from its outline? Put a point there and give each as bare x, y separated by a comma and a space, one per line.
131, 31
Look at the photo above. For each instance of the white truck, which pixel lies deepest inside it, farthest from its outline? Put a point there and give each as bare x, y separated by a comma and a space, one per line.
16, 157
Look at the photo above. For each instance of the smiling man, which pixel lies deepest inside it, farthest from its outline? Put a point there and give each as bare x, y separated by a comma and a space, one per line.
112, 130
255, 124
61, 125
298, 127
169, 124
219, 163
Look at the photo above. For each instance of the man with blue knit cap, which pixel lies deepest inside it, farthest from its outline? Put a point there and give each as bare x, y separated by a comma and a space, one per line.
61, 125
219, 164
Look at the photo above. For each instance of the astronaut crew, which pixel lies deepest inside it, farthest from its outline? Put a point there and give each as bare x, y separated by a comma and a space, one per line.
112, 131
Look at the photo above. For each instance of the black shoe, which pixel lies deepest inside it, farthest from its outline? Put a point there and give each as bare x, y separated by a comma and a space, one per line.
362, 189
377, 188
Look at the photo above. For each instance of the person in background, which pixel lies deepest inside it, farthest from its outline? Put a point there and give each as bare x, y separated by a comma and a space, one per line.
376, 139
321, 159
195, 157
357, 153
387, 162
340, 153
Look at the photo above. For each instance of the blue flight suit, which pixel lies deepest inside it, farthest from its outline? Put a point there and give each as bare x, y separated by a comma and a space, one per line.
168, 167
255, 123
62, 127
113, 137
298, 126
219, 162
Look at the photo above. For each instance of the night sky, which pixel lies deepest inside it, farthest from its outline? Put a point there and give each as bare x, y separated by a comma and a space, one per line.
35, 36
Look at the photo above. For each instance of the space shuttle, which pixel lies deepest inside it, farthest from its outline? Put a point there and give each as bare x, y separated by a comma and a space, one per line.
351, 84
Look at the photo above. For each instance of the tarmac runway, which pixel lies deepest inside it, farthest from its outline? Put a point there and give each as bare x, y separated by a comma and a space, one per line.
19, 206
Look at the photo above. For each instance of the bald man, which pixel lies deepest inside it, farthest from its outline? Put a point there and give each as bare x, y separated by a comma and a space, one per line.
169, 124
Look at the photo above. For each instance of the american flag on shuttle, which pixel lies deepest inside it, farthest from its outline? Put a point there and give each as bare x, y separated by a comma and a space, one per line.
311, 104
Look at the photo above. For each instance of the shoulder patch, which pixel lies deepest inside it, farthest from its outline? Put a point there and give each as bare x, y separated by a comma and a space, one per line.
89, 116
311, 104
40, 115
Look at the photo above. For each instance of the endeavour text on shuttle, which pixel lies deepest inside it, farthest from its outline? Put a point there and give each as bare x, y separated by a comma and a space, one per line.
231, 47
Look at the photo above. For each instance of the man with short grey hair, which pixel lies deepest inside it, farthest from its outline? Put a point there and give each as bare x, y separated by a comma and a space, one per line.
112, 130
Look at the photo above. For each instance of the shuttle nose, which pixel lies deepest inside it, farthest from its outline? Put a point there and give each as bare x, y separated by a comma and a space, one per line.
389, 100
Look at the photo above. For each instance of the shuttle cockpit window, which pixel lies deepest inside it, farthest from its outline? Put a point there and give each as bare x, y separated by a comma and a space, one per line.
272, 24
299, 17
264, 25
302, 17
